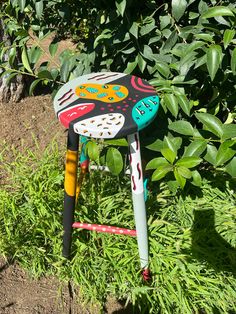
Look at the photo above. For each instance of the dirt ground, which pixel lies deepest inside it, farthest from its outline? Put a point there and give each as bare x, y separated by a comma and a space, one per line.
22, 124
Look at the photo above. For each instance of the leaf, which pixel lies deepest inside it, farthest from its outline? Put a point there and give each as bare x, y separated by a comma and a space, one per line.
233, 61
33, 85
229, 131
162, 68
65, 70
211, 122
131, 66
156, 146
92, 150
224, 153
36, 53
228, 36
182, 127
160, 172
174, 143
39, 8
53, 48
189, 162
217, 11
211, 154
156, 162
134, 29
184, 172
141, 63
25, 60
114, 160
231, 167
10, 77
197, 179
196, 148
172, 104
121, 5
184, 104
22, 5
180, 179
54, 73
168, 154
45, 74
214, 57
178, 8
117, 142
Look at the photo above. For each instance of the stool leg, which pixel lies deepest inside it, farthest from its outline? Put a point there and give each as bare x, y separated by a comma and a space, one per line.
83, 162
138, 201
70, 189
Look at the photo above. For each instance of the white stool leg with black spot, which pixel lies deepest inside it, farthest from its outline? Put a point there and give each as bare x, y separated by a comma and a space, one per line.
138, 198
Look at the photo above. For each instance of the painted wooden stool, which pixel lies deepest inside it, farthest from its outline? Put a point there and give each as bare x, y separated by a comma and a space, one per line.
105, 105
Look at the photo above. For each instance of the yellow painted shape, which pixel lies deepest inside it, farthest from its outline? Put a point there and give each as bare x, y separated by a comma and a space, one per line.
80, 181
71, 172
95, 91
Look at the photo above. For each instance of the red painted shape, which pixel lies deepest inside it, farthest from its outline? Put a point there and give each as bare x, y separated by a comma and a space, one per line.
134, 185
75, 112
84, 164
104, 228
140, 82
139, 171
142, 88
146, 274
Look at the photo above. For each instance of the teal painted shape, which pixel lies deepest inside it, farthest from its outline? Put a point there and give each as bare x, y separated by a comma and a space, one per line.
82, 94
83, 156
92, 90
145, 111
145, 183
102, 95
116, 88
120, 94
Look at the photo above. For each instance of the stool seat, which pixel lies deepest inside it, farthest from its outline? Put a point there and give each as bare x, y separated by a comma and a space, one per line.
106, 104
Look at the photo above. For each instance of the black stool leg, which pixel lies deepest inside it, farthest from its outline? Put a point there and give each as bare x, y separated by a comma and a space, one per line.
70, 189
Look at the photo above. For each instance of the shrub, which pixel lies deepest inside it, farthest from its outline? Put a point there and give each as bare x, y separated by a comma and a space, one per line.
185, 49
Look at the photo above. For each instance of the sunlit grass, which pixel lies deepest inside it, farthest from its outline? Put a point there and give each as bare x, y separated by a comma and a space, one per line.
192, 237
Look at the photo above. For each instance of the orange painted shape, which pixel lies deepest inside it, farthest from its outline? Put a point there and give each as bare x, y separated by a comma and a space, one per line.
108, 93
71, 172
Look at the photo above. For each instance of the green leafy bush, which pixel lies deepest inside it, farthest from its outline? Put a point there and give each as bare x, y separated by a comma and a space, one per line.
186, 49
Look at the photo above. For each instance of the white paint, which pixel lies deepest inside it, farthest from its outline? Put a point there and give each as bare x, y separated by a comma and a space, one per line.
103, 126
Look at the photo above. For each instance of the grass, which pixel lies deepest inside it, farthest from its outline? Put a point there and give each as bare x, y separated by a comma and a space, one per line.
192, 237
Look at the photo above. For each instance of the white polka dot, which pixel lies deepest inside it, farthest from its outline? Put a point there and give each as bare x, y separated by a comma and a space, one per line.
104, 229
121, 231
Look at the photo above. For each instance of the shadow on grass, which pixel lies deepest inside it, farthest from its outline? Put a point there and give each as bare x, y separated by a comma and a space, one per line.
208, 246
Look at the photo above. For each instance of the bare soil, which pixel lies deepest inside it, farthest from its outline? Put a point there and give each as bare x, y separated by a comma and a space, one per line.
22, 125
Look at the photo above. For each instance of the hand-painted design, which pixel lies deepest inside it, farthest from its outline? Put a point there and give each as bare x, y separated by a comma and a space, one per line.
69, 93
138, 84
63, 96
135, 163
102, 126
104, 228
144, 111
105, 93
133, 181
72, 113
83, 158
146, 274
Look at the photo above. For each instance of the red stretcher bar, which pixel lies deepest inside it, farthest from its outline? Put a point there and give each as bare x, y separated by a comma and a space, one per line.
104, 228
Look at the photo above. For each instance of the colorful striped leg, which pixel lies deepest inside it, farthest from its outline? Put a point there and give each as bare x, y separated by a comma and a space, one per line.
138, 201
84, 163
70, 189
